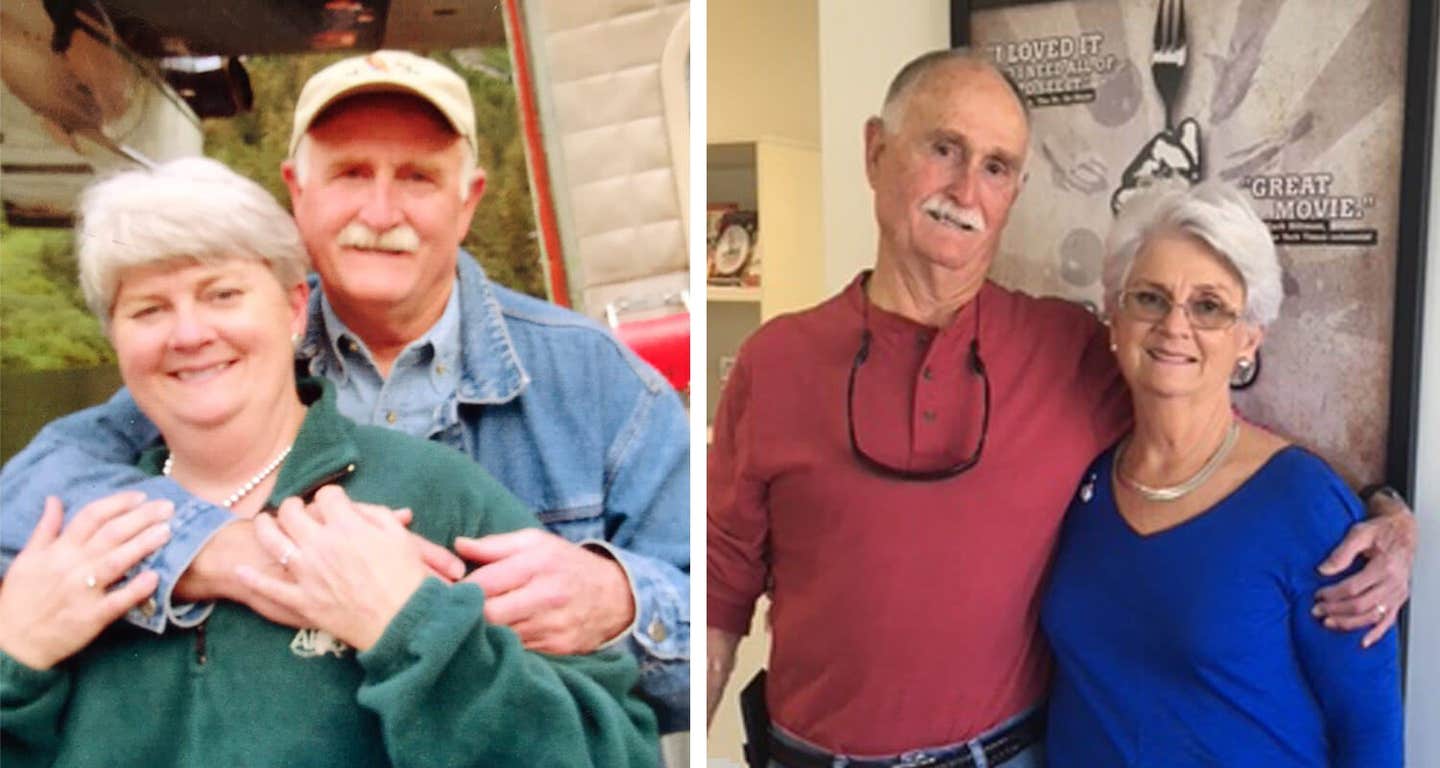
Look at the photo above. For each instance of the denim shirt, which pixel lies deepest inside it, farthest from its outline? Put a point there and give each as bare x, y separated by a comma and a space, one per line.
551, 404
423, 377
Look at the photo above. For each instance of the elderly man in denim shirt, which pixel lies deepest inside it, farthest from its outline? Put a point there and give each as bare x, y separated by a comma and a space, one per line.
416, 338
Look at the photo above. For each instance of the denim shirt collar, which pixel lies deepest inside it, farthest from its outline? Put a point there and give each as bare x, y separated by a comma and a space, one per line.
442, 339
491, 371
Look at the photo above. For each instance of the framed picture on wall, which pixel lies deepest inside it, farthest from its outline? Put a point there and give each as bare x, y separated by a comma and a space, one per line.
1322, 119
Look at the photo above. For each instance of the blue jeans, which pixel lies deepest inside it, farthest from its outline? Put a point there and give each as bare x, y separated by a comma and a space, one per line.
1032, 756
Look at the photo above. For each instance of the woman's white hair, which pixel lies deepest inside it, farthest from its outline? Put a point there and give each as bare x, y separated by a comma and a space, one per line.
1218, 215
192, 208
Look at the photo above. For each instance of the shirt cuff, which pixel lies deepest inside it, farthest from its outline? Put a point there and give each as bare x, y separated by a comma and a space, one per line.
606, 549
728, 616
661, 629
195, 522
190, 615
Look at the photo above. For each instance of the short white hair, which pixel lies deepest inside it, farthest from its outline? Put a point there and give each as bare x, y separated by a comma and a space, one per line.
300, 163
1218, 215
897, 96
193, 208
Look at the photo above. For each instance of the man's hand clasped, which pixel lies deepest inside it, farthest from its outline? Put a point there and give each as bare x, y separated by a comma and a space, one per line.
560, 597
1371, 597
305, 564
215, 572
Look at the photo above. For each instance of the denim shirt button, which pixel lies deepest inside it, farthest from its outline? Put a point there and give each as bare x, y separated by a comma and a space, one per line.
657, 631
148, 608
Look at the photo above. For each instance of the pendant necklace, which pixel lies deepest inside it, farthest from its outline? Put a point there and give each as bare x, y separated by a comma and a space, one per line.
249, 485
1173, 492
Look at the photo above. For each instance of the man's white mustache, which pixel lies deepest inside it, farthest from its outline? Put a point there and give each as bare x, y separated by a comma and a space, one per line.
943, 210
398, 239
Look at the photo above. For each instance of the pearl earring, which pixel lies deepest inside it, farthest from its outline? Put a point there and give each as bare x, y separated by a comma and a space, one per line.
1246, 371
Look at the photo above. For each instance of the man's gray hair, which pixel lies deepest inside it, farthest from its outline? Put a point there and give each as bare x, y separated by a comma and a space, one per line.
193, 208
1218, 215
898, 94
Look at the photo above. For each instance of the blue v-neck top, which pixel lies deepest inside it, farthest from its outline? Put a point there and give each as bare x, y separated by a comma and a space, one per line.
1194, 645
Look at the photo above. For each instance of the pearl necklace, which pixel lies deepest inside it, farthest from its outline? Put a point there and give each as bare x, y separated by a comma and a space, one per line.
249, 485
1173, 492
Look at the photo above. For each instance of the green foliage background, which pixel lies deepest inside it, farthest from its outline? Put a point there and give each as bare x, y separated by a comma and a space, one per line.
44, 323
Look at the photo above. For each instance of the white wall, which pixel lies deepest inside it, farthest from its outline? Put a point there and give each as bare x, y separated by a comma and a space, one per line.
862, 45
1422, 711
761, 70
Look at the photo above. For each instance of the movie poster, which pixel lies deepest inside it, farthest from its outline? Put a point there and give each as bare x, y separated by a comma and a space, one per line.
1300, 103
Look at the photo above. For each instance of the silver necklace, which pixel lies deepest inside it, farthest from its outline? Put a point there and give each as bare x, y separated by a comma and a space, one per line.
258, 478
1173, 492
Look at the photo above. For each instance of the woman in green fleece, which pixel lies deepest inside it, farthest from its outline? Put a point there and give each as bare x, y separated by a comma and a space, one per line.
199, 278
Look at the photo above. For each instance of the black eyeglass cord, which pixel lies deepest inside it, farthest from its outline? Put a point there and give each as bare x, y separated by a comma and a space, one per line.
977, 364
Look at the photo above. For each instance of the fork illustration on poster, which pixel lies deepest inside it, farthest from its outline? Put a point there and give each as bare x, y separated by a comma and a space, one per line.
1174, 152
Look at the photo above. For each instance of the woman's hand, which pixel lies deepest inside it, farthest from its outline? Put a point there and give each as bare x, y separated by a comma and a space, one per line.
353, 566
55, 598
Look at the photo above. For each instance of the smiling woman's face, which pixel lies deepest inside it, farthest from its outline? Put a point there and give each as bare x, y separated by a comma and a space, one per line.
200, 344
1172, 356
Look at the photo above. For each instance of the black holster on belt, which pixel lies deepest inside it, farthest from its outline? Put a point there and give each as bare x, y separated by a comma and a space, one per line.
756, 718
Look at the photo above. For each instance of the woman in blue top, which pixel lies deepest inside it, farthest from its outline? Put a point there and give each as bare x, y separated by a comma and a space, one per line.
1179, 603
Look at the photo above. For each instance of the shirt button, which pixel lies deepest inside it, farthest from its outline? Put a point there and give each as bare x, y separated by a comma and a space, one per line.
390, 417
928, 415
657, 631
148, 608
440, 369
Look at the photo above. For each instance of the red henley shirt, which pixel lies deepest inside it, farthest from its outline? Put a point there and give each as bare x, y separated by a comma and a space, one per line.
905, 614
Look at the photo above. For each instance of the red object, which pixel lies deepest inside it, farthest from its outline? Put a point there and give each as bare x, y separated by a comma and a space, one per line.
904, 614
663, 342
535, 154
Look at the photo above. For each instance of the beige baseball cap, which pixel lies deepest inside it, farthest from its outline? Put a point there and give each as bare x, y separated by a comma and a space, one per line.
381, 72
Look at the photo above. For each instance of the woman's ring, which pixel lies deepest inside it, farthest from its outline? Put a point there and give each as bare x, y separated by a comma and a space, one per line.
90, 581
1380, 610
287, 554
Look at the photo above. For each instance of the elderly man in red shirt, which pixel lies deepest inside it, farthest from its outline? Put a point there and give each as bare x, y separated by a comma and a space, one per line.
892, 465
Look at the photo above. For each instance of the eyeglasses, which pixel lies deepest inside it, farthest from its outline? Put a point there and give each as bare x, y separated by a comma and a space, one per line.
1204, 312
977, 365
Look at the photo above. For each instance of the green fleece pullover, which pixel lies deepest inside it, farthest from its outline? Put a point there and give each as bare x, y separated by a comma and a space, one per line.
440, 688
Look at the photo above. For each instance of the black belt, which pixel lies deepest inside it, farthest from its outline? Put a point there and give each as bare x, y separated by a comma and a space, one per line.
998, 748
